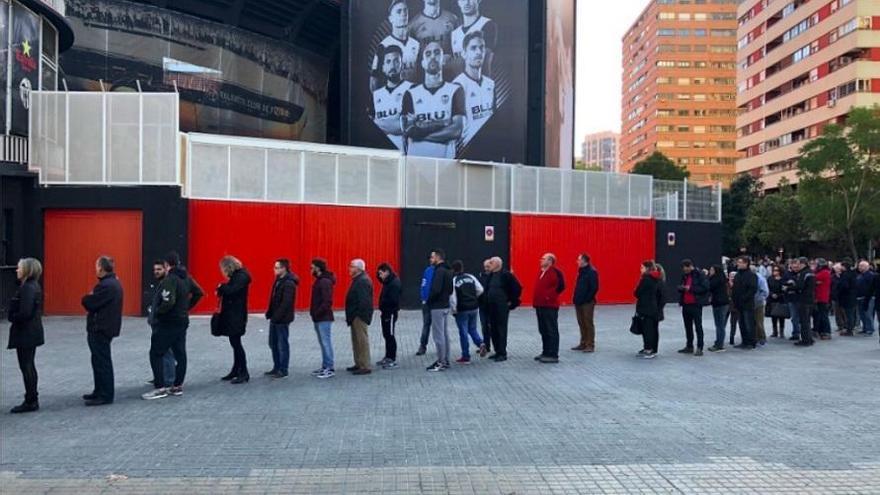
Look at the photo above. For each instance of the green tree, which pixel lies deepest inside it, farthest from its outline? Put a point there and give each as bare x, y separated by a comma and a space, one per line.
839, 172
660, 167
775, 221
735, 205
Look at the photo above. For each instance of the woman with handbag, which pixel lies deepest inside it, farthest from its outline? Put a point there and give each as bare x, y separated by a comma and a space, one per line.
233, 314
26, 332
649, 307
778, 308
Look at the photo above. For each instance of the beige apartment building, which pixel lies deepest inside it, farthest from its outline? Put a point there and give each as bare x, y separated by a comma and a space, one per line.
801, 65
601, 149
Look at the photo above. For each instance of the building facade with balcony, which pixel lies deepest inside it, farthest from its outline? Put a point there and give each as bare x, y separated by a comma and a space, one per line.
601, 150
678, 92
802, 64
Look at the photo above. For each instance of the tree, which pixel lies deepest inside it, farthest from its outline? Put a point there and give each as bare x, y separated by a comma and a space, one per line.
839, 172
775, 221
591, 167
735, 205
660, 167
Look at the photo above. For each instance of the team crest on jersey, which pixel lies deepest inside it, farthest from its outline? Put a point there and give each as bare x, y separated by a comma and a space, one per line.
445, 99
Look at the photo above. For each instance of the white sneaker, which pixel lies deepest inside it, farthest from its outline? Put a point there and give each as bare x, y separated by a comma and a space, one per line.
159, 393
318, 371
326, 374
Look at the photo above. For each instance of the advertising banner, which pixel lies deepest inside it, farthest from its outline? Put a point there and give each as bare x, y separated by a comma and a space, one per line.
25, 64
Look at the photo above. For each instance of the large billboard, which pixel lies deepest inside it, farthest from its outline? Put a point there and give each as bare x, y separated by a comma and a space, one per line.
559, 85
25, 64
439, 78
230, 81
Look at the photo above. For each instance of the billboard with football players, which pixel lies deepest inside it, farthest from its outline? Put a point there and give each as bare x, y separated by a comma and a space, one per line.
439, 78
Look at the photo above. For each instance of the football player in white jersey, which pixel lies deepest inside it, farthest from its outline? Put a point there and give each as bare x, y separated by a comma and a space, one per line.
398, 16
388, 100
434, 24
433, 112
479, 90
472, 20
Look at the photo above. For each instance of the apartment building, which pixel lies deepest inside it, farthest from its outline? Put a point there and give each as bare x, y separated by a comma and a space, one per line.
601, 149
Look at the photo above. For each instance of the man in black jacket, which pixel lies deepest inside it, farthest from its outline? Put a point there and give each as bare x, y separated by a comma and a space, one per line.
389, 306
803, 286
503, 292
103, 324
846, 297
483, 278
585, 290
693, 295
359, 315
745, 286
280, 315
168, 362
438, 302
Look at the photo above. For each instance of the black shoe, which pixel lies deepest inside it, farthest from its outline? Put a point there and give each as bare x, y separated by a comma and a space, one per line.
242, 378
548, 359
25, 407
279, 374
500, 359
90, 396
803, 344
422, 350
794, 338
230, 376
98, 402
686, 350
271, 373
361, 371
352, 368
538, 357
745, 347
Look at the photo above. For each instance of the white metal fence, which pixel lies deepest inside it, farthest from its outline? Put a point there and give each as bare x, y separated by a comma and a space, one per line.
104, 138
674, 200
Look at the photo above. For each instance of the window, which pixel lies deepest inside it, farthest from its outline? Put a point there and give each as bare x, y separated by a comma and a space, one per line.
666, 15
666, 32
723, 32
699, 32
49, 58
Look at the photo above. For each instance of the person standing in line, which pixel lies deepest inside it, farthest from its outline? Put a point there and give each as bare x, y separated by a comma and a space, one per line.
865, 297
585, 290
280, 315
760, 306
734, 314
321, 311
649, 308
234, 315
26, 332
821, 318
389, 307
103, 324
465, 302
745, 288
193, 293
359, 315
776, 303
438, 302
483, 278
424, 291
839, 317
804, 289
503, 294
847, 299
168, 362
791, 299
168, 319
545, 299
693, 295
720, 305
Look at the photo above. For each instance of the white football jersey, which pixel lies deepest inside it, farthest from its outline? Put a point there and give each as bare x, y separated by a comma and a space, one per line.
410, 49
389, 103
479, 102
436, 105
459, 33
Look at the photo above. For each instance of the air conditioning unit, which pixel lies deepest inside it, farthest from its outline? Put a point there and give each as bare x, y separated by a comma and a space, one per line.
845, 60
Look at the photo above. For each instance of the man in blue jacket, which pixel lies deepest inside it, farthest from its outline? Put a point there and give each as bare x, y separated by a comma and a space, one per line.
865, 297
103, 324
424, 291
585, 290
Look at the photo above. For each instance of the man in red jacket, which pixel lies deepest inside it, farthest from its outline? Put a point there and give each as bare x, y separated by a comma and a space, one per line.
549, 285
821, 321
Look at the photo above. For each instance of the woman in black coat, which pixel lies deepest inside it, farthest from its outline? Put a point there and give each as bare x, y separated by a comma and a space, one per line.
234, 314
649, 307
776, 303
26, 332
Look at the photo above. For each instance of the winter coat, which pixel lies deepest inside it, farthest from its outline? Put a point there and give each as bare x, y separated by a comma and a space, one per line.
776, 294
389, 297
321, 307
823, 285
283, 299
425, 288
846, 289
548, 286
805, 287
466, 296
587, 286
441, 287
503, 289
745, 286
359, 300
865, 285
25, 313
194, 292
718, 290
104, 306
175, 295
234, 303
699, 287
649, 296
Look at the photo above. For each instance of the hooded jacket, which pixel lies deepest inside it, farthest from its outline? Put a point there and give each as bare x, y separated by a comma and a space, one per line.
283, 299
718, 289
321, 306
699, 288
389, 297
745, 287
441, 287
649, 296
466, 296
176, 294
823, 285
846, 289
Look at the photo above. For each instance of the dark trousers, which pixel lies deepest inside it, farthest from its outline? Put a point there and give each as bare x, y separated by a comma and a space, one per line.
499, 313
102, 366
239, 359
821, 319
693, 320
804, 312
548, 327
650, 333
485, 327
426, 325
778, 326
747, 326
28, 369
279, 343
389, 327
168, 337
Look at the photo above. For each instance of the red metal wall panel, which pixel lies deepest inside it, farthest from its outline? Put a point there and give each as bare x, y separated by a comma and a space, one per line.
616, 246
73, 240
259, 233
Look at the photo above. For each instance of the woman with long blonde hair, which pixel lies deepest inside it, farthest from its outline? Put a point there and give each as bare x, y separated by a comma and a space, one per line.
233, 296
26, 333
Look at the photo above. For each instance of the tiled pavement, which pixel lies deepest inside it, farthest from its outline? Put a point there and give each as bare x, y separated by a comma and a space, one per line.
776, 420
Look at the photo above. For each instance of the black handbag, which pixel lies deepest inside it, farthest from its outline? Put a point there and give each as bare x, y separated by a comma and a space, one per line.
636, 326
217, 322
780, 310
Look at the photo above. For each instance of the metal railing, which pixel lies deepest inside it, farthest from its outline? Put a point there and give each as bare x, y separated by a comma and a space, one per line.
674, 200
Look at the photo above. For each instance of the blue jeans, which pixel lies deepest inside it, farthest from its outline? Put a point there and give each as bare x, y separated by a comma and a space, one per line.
795, 322
720, 314
866, 314
279, 333
322, 329
467, 326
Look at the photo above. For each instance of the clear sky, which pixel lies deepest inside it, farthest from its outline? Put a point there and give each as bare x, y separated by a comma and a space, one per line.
600, 26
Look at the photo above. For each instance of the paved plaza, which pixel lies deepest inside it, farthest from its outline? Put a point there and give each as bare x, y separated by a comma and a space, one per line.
776, 420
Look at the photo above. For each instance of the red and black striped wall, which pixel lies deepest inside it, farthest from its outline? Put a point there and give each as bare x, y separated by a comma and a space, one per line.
203, 231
